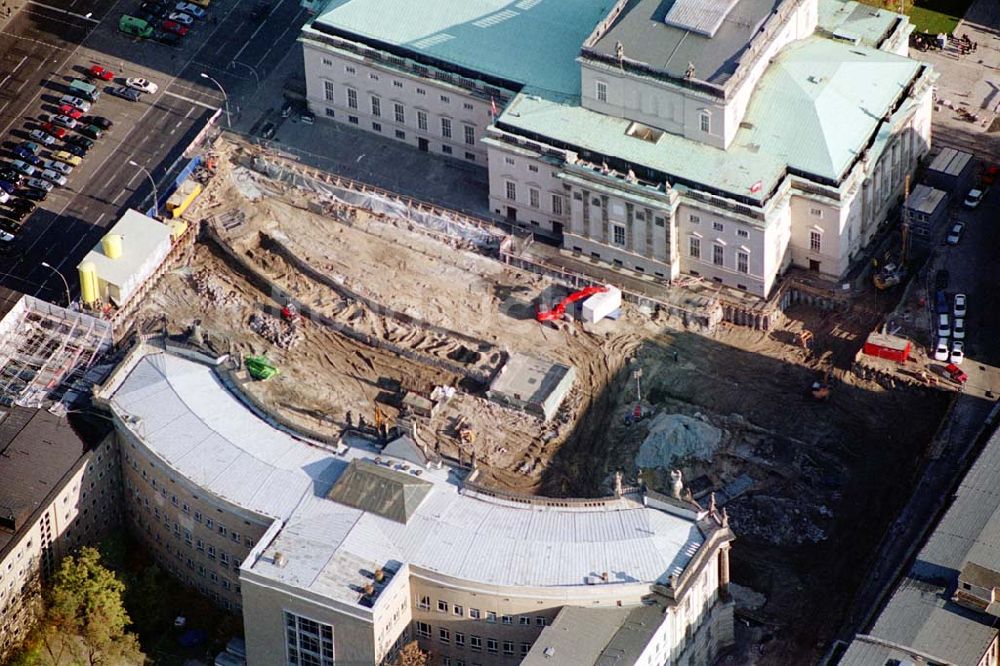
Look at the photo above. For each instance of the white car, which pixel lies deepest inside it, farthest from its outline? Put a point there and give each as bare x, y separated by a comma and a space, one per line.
944, 326
958, 329
142, 85
957, 352
955, 234
4, 197
54, 177
941, 351
960, 305
190, 9
180, 17
974, 198
58, 167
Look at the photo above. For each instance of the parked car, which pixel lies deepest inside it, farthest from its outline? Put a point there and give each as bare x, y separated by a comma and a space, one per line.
180, 17
15, 203
156, 8
125, 93
942, 278
4, 198
960, 305
308, 118
98, 121
174, 27
64, 121
167, 38
17, 215
990, 174
142, 85
67, 157
956, 373
93, 131
38, 184
101, 73
955, 234
267, 131
58, 167
25, 154
23, 167
941, 351
974, 197
7, 239
76, 102
34, 148
286, 110
8, 186
41, 137
191, 10
944, 326
35, 194
50, 128
71, 111
941, 302
79, 140
958, 329
75, 150
957, 352
201, 3
53, 177
9, 173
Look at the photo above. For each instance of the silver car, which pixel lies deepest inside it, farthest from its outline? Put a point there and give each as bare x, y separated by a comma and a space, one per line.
38, 184
53, 177
42, 137
57, 166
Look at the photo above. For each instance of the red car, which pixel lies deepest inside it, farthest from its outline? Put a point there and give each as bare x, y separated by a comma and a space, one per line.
99, 72
990, 174
956, 373
71, 111
174, 27
57, 132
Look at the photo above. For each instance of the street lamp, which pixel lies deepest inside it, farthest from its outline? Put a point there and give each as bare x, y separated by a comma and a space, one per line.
156, 199
55, 270
224, 95
252, 71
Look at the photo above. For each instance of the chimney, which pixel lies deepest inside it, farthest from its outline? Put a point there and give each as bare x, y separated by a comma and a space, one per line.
604, 576
677, 483
279, 559
379, 575
369, 590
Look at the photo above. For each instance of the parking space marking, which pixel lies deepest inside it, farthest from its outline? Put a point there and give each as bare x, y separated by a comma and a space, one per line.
18, 65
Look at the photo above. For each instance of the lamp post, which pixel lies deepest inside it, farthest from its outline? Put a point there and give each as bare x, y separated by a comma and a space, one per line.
62, 277
156, 199
253, 71
224, 95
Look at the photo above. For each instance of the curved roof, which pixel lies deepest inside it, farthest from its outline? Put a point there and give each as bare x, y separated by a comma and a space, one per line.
186, 417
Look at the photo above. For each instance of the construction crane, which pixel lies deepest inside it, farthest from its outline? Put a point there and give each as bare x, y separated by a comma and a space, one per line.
559, 310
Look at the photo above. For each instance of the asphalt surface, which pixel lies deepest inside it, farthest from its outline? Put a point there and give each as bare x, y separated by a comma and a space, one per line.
45, 46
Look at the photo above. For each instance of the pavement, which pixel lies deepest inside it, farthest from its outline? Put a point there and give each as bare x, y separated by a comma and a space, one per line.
970, 81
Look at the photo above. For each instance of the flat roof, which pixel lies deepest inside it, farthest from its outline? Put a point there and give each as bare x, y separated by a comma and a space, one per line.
950, 161
647, 38
534, 42
529, 379
141, 236
37, 450
577, 635
814, 110
925, 199
184, 415
848, 19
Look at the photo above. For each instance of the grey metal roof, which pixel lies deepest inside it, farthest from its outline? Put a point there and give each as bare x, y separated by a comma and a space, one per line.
950, 161
632, 637
578, 636
371, 487
647, 38
701, 16
925, 199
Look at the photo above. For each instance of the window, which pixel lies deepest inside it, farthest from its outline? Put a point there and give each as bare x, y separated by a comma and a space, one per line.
742, 262
376, 107
399, 112
446, 150
327, 62
209, 523
491, 617
222, 530
422, 120
459, 639
539, 621
373, 76
815, 241
352, 119
349, 69
235, 536
458, 610
743, 233
211, 552
660, 222
200, 545
425, 603
506, 619
509, 161
718, 226
816, 212
511, 190
442, 606
474, 613
446, 128
694, 248
525, 648
533, 197
524, 620
328, 89
185, 508
467, 106
694, 219
618, 235
470, 134
718, 255
421, 91
602, 91
508, 648
398, 84
308, 642
491, 645
444, 635
557, 204
470, 156
444, 98
706, 122
377, 127
173, 499
224, 558
423, 630
400, 134
352, 98
476, 642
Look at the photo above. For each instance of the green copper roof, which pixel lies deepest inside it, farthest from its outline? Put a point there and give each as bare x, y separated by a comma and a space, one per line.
529, 41
813, 110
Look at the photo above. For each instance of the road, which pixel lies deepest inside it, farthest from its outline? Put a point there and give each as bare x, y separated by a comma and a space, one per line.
45, 46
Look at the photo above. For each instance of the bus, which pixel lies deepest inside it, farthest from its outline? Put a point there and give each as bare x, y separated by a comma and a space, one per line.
85, 90
131, 25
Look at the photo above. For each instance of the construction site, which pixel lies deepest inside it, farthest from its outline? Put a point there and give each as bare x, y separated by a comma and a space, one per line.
351, 311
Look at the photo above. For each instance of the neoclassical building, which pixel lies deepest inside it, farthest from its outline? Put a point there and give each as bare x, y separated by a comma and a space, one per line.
729, 139
342, 554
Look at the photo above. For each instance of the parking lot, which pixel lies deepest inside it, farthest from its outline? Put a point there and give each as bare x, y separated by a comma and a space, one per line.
47, 47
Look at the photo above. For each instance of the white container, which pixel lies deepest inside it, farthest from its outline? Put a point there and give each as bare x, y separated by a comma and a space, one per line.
599, 306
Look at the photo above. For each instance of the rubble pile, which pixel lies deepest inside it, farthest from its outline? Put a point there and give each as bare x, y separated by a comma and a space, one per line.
778, 520
209, 288
281, 334
674, 438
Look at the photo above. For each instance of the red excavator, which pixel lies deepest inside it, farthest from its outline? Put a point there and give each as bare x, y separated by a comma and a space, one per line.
559, 310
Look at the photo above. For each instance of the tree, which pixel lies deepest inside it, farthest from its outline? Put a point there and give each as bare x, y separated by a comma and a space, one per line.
86, 615
412, 655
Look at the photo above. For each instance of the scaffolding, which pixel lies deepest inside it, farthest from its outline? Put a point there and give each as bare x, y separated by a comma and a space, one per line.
49, 353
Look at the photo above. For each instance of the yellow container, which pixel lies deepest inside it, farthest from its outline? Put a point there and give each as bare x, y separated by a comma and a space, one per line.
88, 282
112, 244
177, 228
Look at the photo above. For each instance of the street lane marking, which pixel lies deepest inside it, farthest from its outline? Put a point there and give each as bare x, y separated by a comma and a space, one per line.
259, 28
18, 65
64, 11
192, 101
